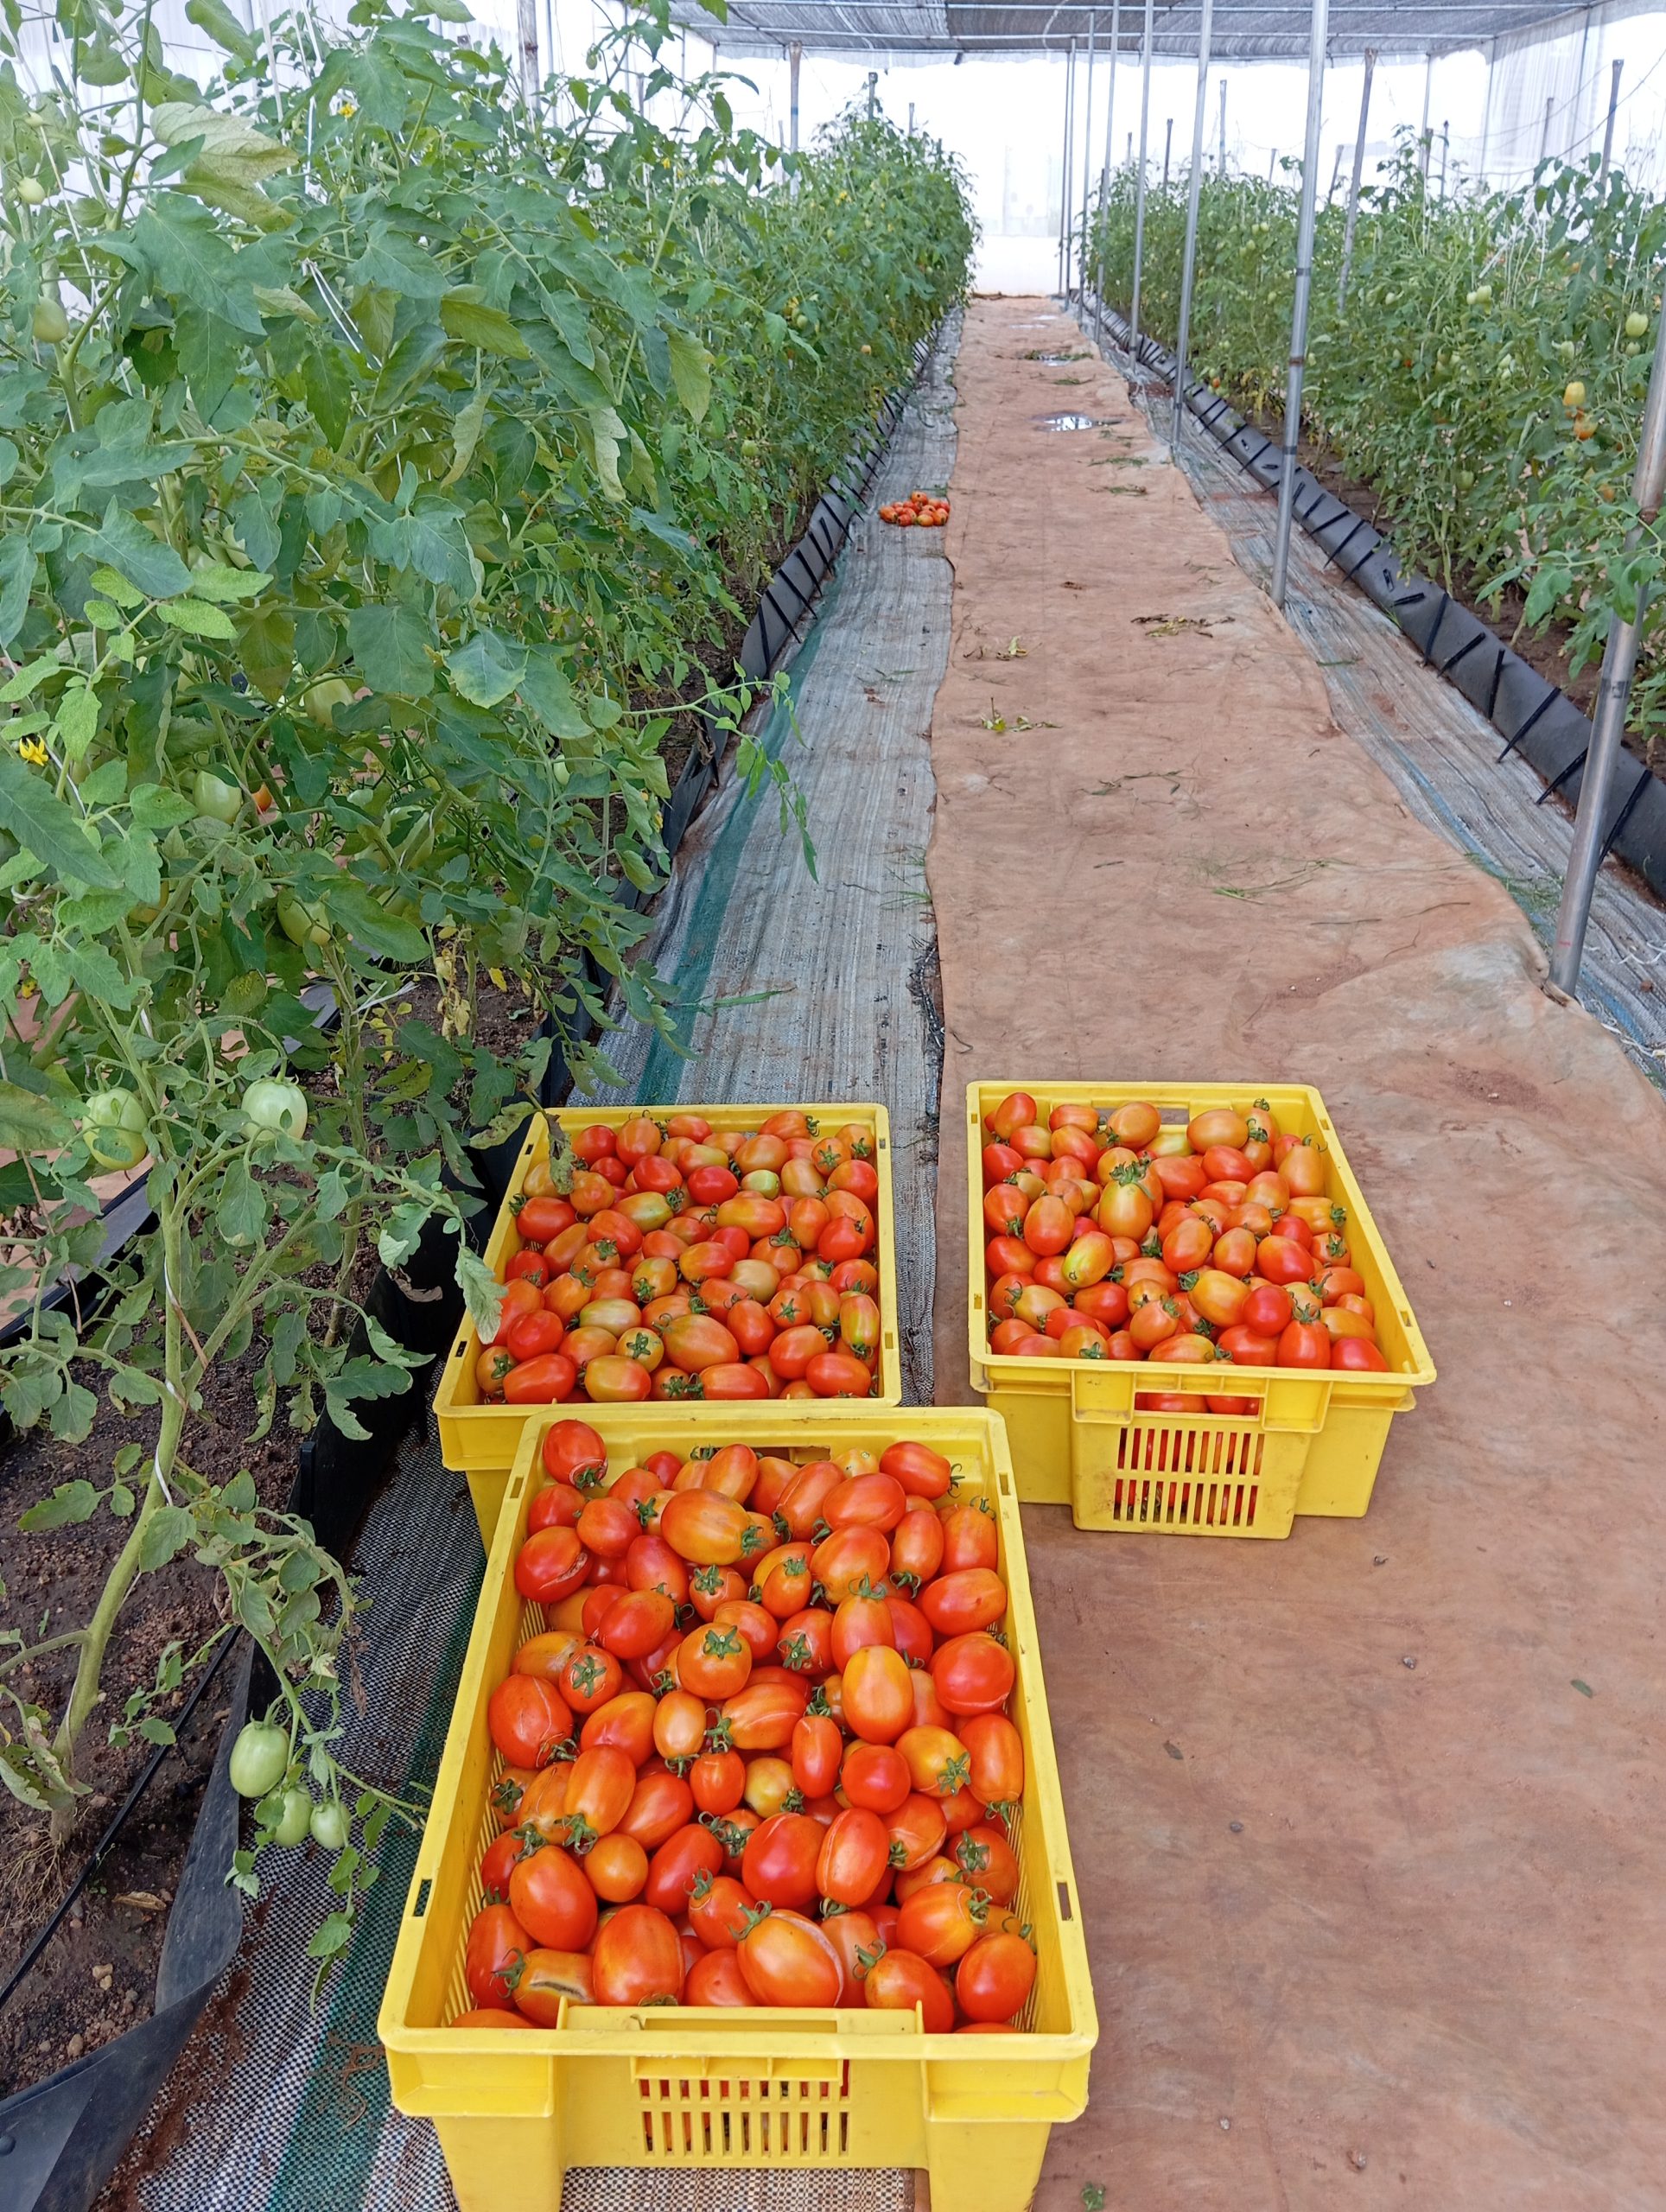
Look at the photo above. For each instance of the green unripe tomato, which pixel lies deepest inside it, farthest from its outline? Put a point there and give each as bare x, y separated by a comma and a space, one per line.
273, 1104
1636, 326
322, 699
303, 925
48, 322
32, 192
212, 795
291, 1809
331, 1824
260, 1758
112, 1128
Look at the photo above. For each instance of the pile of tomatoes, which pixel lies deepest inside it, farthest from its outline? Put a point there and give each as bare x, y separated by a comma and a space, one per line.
919, 511
684, 1262
1112, 1235
760, 1754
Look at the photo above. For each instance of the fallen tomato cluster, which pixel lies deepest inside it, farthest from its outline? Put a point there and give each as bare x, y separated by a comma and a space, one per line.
683, 1261
762, 1755
1112, 1235
918, 511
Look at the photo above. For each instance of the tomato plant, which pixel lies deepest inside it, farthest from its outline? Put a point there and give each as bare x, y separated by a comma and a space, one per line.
383, 469
1486, 376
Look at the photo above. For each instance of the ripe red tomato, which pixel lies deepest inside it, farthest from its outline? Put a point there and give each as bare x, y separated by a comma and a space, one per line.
900, 1980
550, 1899
972, 1598
787, 1961
779, 1866
995, 1978
549, 1564
677, 1866
941, 1922
497, 1944
876, 1776
879, 1698
973, 1674
528, 1719
637, 1958
715, 1980
855, 1857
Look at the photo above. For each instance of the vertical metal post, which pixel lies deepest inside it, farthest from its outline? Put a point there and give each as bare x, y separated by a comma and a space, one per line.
1105, 173
1423, 133
1087, 157
1139, 191
1065, 182
1446, 149
1194, 185
911, 118
1168, 147
1221, 168
1544, 128
795, 54
1110, 89
526, 25
1355, 179
1287, 482
1619, 662
872, 93
1128, 157
1487, 120
1608, 129
1272, 164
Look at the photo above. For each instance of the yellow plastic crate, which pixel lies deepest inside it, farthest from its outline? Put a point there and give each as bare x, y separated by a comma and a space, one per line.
1078, 1438
479, 1439
671, 2088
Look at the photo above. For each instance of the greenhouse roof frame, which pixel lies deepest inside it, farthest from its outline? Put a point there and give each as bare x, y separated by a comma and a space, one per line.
1243, 30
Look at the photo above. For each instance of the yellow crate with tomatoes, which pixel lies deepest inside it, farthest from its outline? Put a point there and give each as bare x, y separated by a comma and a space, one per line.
1181, 1305
663, 1942
685, 1254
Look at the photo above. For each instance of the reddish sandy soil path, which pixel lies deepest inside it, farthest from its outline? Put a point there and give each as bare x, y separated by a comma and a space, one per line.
1370, 1825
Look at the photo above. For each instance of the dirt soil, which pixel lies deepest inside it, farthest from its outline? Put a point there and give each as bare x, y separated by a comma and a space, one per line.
98, 1974
1369, 1826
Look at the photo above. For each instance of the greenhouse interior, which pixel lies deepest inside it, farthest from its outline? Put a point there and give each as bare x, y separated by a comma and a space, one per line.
651, 962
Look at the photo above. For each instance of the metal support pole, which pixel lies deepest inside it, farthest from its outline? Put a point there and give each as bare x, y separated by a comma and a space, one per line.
1194, 185
1105, 173
872, 93
1168, 147
1336, 170
1221, 165
1619, 662
795, 54
1272, 164
1423, 133
1110, 89
1287, 482
1446, 149
1486, 122
526, 24
1139, 191
1065, 182
1355, 179
1608, 130
1544, 128
1087, 159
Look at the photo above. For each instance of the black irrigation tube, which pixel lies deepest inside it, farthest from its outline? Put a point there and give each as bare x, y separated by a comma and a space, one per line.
1532, 715
62, 2138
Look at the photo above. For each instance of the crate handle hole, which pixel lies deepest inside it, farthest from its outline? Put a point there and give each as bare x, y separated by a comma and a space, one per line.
425, 1890
1065, 1911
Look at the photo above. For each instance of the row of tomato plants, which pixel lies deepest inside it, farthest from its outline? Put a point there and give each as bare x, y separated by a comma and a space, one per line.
1485, 373
385, 461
